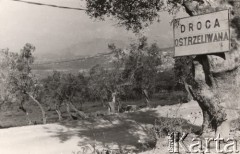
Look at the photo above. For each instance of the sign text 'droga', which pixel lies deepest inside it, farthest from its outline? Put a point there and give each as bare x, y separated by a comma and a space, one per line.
204, 34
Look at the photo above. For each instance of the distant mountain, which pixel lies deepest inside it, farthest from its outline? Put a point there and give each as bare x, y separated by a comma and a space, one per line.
83, 62
89, 55
74, 63
95, 46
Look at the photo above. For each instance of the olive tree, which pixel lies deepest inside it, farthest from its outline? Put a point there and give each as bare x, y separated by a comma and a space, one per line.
141, 67
212, 79
6, 60
105, 85
66, 89
19, 83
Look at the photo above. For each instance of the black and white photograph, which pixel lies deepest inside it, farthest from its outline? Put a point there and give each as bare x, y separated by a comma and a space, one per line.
119, 76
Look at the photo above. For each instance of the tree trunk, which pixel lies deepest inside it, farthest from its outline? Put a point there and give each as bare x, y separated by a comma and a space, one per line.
111, 107
217, 93
112, 104
26, 113
80, 113
189, 96
59, 115
214, 81
57, 109
119, 106
68, 110
44, 118
146, 96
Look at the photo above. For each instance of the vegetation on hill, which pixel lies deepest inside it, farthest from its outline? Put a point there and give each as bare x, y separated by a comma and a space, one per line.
136, 73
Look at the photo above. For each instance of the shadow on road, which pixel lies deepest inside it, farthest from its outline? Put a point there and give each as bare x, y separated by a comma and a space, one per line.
122, 130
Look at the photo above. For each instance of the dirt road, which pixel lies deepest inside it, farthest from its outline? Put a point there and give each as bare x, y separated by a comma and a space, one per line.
125, 131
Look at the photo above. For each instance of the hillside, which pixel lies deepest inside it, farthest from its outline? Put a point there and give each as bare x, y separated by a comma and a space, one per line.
78, 63
87, 48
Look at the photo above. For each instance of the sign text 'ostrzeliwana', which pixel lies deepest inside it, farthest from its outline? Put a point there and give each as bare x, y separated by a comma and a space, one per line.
203, 34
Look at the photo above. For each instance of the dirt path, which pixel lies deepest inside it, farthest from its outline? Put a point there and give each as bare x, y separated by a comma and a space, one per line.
125, 131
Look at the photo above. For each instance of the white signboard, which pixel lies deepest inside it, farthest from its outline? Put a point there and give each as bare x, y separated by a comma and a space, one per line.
203, 34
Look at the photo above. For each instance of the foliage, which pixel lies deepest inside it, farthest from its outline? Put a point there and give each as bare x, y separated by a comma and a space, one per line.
133, 14
60, 88
183, 70
21, 79
134, 69
104, 82
19, 84
8, 61
141, 66
16, 75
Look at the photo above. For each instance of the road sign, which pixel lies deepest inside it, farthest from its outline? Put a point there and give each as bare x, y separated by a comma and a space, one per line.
203, 34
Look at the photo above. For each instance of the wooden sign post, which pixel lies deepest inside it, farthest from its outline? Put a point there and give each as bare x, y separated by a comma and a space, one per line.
203, 34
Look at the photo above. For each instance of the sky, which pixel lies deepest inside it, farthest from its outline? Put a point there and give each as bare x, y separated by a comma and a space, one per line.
52, 29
